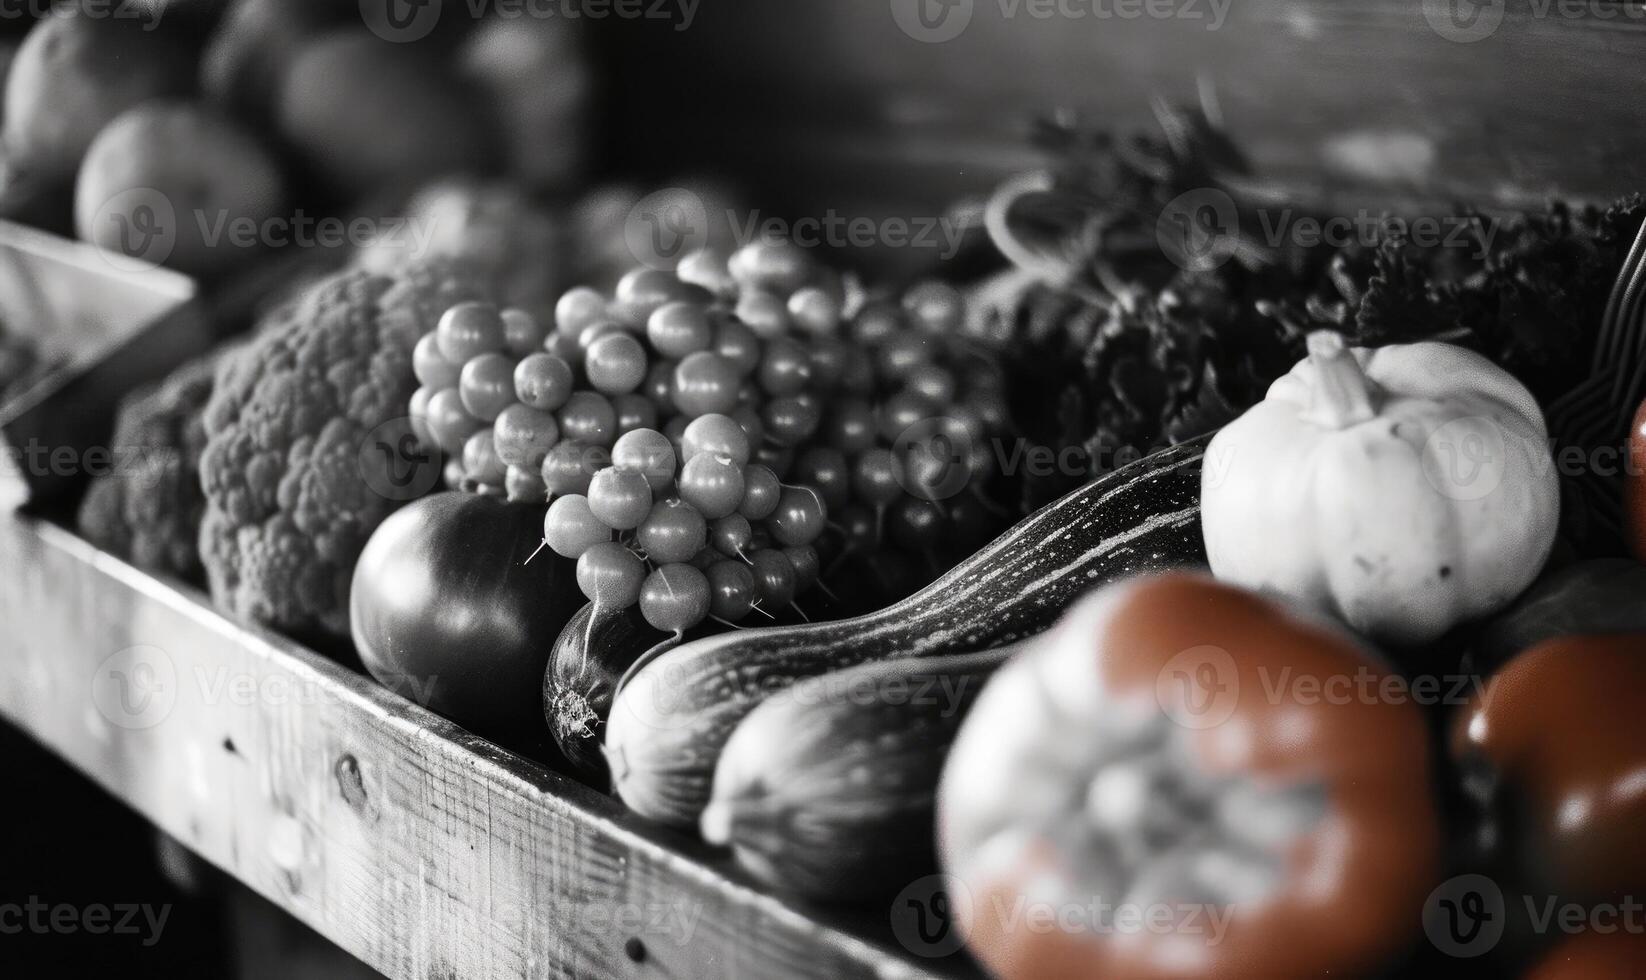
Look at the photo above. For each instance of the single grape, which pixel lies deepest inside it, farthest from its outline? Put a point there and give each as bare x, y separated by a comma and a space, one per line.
808, 568
588, 417
659, 385
596, 330
480, 462
714, 484
649, 453
916, 524
827, 470
569, 467
675, 598
634, 411
778, 459
449, 422
524, 486
417, 410
786, 368
731, 535
791, 421
761, 490
935, 307
675, 431
875, 324
933, 383
451, 475
901, 411
524, 436
719, 434
990, 407
901, 354
799, 517
815, 310
641, 292
829, 357
773, 578
430, 366
739, 345
615, 364
765, 314
610, 575
522, 334
705, 383
570, 527
936, 468
858, 529
680, 328
487, 386
673, 531
747, 418
749, 395
875, 477
564, 347
577, 309
543, 381
851, 426
468, 330
732, 590
706, 268
775, 266
620, 498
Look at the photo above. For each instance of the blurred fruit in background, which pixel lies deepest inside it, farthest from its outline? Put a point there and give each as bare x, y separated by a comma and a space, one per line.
253, 44
214, 181
540, 83
74, 73
369, 116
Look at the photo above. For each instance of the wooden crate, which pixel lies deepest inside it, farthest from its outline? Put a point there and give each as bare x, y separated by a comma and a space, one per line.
421, 849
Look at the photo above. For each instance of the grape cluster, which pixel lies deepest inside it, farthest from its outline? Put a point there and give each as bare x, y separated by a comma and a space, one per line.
696, 431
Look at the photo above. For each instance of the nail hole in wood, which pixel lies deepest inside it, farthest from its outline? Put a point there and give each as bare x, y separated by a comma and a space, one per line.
635, 950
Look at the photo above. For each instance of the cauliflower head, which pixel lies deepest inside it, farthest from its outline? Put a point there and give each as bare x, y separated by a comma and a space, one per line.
292, 486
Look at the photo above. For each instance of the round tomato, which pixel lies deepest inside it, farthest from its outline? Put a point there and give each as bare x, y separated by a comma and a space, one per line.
1184, 779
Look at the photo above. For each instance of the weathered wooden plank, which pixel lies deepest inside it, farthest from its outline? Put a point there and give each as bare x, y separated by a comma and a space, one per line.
419, 848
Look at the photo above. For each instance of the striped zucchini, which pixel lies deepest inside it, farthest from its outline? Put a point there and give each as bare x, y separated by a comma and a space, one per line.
670, 722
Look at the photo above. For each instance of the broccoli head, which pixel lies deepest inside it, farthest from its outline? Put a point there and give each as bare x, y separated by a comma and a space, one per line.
291, 485
147, 508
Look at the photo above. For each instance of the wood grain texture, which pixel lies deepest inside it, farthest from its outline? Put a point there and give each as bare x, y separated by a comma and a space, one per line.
1361, 103
421, 849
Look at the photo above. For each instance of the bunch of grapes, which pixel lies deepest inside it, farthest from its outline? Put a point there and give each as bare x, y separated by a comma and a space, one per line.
695, 431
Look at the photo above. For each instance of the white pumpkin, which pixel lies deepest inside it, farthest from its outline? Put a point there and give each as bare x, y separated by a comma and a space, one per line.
1403, 489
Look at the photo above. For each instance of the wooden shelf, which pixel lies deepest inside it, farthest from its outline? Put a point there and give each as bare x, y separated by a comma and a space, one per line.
421, 849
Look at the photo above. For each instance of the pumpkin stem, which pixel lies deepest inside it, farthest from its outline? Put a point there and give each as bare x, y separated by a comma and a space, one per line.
1342, 392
